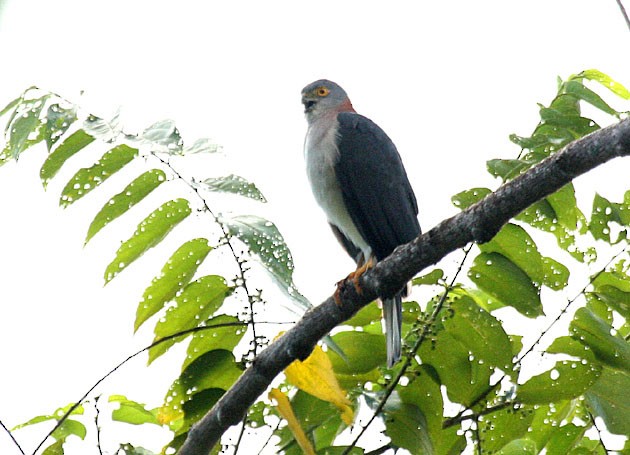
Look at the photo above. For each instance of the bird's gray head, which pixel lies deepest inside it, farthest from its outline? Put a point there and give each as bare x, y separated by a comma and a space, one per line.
324, 96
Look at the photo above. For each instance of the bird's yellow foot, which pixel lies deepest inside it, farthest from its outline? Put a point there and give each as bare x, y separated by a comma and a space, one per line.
354, 277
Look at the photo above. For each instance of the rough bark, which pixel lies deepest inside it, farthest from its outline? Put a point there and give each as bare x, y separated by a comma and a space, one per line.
479, 223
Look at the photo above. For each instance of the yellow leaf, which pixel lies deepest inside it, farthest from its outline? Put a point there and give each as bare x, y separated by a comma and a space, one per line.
286, 411
315, 376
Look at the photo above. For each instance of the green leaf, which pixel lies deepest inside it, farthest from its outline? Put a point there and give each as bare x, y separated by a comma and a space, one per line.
506, 282
605, 213
176, 273
55, 448
507, 169
213, 370
71, 145
610, 400
365, 315
88, 178
10, 106
431, 278
25, 127
235, 185
547, 420
577, 89
58, 120
424, 393
498, 429
567, 380
464, 379
132, 412
128, 449
606, 81
196, 303
515, 244
58, 414
149, 233
165, 135
564, 205
123, 201
541, 215
407, 428
520, 447
565, 438
595, 333
480, 332
265, 241
218, 337
364, 352
572, 347
466, 198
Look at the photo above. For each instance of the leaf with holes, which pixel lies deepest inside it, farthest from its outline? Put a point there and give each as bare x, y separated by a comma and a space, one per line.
165, 136
149, 233
480, 332
567, 380
88, 178
463, 378
224, 332
105, 130
595, 333
606, 81
176, 273
506, 282
235, 185
265, 241
196, 303
610, 400
58, 120
123, 201
71, 145
465, 199
132, 412
213, 370
26, 127
499, 428
364, 352
407, 428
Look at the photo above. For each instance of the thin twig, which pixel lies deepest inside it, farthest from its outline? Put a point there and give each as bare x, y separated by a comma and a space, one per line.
98, 428
474, 416
624, 13
599, 433
17, 444
226, 234
113, 370
270, 436
240, 435
409, 358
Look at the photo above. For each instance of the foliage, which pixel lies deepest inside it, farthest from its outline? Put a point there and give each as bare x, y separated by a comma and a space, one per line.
467, 379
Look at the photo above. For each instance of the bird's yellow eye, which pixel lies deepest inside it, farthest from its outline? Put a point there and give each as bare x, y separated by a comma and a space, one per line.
323, 91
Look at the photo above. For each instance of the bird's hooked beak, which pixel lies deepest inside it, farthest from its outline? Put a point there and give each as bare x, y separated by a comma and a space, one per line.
308, 102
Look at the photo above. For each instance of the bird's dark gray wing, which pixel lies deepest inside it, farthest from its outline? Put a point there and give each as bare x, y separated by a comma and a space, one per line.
375, 187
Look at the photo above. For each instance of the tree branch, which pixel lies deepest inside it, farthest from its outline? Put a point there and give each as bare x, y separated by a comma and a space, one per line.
478, 223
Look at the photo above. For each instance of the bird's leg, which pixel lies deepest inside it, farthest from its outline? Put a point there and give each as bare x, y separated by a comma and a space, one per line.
363, 266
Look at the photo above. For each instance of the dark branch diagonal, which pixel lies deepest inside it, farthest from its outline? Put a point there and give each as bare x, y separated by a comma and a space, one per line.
478, 223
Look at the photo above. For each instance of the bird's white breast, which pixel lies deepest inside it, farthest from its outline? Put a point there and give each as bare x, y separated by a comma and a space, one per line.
321, 154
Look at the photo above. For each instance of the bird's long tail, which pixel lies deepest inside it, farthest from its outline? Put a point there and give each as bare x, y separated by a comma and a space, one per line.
392, 314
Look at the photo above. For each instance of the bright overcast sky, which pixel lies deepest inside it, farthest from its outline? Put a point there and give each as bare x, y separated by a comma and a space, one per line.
448, 81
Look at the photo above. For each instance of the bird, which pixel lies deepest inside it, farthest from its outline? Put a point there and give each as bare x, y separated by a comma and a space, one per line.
358, 179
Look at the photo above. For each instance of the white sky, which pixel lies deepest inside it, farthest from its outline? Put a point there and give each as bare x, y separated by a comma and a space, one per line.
448, 81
